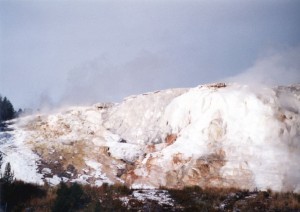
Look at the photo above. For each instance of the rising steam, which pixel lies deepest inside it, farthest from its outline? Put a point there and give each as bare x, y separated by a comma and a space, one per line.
277, 68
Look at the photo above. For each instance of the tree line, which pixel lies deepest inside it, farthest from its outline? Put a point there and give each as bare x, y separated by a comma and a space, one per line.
7, 110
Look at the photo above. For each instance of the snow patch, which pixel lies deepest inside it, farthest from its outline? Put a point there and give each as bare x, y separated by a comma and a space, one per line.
21, 158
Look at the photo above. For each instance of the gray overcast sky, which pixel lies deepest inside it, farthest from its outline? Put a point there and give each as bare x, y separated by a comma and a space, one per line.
93, 51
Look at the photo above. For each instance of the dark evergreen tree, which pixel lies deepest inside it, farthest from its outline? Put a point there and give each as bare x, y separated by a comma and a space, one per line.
1, 118
6, 109
8, 176
68, 198
19, 112
1, 161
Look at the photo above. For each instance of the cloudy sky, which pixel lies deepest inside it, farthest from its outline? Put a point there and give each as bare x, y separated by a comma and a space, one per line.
80, 52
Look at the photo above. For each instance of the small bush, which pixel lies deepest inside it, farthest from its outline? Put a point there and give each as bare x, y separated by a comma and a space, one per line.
68, 198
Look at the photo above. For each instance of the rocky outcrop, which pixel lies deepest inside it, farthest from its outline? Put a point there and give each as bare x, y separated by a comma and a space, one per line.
212, 135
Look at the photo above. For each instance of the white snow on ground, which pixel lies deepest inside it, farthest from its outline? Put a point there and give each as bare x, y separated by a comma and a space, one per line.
141, 186
55, 180
255, 132
21, 158
97, 173
162, 197
125, 151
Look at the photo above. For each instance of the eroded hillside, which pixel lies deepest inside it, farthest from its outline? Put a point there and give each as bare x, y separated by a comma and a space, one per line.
212, 135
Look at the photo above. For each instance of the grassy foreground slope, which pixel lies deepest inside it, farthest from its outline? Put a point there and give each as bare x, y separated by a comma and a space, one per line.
20, 196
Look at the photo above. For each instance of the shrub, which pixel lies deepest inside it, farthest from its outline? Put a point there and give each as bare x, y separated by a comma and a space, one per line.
68, 198
15, 194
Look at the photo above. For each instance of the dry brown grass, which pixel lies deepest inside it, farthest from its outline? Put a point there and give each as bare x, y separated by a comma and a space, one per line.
43, 204
211, 199
193, 198
285, 200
